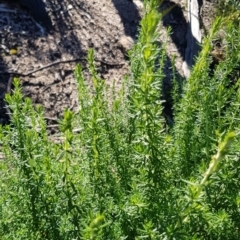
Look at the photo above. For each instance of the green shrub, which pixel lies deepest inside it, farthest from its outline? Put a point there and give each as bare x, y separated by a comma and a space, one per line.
118, 171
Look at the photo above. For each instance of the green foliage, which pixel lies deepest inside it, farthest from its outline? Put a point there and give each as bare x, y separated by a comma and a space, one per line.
230, 9
119, 171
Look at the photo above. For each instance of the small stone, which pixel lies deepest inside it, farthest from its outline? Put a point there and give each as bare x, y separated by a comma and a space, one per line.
69, 7
125, 43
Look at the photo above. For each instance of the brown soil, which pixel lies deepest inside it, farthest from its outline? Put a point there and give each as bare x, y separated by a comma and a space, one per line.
45, 63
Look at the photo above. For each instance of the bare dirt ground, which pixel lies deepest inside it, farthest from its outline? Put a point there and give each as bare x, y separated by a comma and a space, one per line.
45, 63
